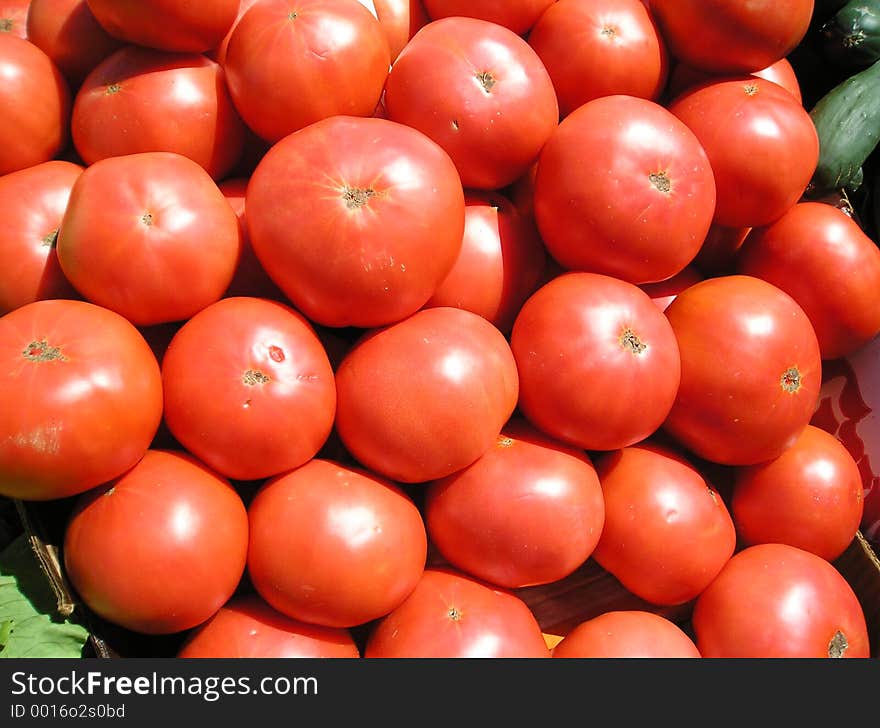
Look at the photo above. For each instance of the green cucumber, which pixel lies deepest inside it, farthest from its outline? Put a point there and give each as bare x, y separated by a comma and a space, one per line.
851, 37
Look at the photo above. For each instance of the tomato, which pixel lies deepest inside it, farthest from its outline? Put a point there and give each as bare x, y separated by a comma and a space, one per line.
32, 203
149, 236
517, 15
730, 36
384, 185
425, 397
334, 545
809, 497
218, 53
262, 401
683, 77
35, 100
775, 600
479, 91
247, 627
663, 293
500, 262
627, 633
159, 549
529, 511
667, 531
400, 20
625, 189
13, 17
168, 25
718, 253
66, 30
594, 49
750, 370
451, 615
598, 362
82, 398
823, 259
288, 67
761, 143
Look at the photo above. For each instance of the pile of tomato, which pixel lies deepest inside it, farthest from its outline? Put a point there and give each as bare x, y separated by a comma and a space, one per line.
338, 322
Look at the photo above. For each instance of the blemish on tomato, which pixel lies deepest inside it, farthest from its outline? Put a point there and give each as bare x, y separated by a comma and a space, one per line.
276, 353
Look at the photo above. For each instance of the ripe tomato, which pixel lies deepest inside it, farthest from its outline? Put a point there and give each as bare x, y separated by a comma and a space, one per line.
161, 548
529, 511
625, 189
149, 236
627, 633
667, 531
288, 67
218, 53
247, 627
13, 17
775, 600
32, 203
730, 36
516, 15
334, 545
663, 293
400, 20
262, 401
451, 615
142, 100
594, 49
479, 91
761, 143
750, 370
425, 397
823, 259
35, 99
683, 77
82, 398
357, 220
598, 362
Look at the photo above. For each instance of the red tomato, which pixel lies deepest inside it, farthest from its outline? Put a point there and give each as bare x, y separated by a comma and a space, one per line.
750, 370
264, 400
598, 362
731, 36
450, 615
384, 185
82, 398
247, 627
149, 236
32, 203
288, 67
400, 20
684, 77
219, 52
68, 33
35, 100
529, 511
663, 293
809, 497
161, 548
517, 15
479, 91
594, 49
13, 17
500, 262
425, 397
141, 100
823, 259
334, 545
168, 25
667, 532
625, 189
761, 143
774, 600
627, 633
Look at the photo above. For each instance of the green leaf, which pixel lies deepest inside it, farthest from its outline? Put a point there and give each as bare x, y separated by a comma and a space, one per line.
28, 627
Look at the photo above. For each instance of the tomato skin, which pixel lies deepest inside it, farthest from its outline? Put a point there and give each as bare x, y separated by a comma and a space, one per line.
13, 17
35, 99
529, 511
627, 633
667, 532
247, 627
451, 615
32, 203
479, 91
82, 398
334, 545
516, 15
400, 20
149, 236
663, 293
425, 397
218, 53
683, 77
823, 259
750, 370
775, 600
598, 362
